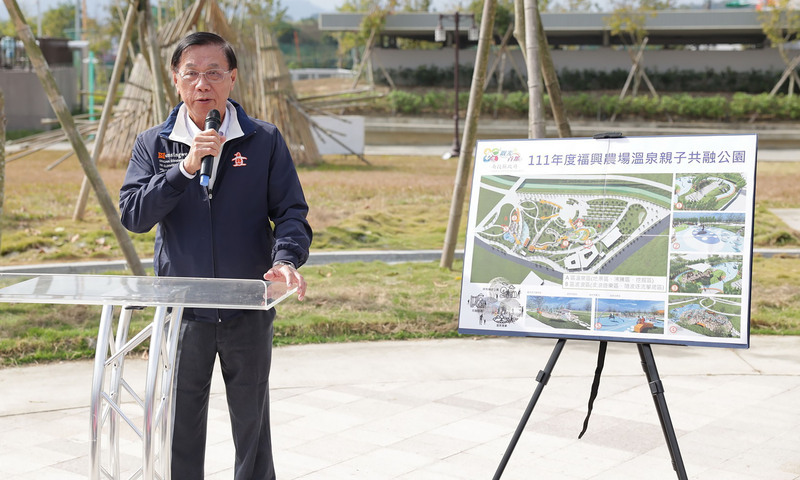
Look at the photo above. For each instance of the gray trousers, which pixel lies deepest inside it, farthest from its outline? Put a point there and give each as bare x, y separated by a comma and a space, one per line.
244, 346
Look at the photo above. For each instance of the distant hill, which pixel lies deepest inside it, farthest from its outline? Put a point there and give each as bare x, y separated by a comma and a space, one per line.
300, 9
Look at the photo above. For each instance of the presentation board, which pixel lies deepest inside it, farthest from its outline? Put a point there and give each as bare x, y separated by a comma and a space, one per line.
633, 239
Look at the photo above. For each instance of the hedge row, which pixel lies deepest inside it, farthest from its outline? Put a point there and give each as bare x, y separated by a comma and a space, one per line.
673, 80
677, 107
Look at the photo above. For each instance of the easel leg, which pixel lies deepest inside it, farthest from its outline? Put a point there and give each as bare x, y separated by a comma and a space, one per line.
542, 378
657, 389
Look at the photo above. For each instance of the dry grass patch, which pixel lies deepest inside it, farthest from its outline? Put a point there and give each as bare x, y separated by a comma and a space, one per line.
776, 184
775, 302
399, 202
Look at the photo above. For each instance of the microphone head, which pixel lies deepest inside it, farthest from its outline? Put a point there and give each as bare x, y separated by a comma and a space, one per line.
213, 119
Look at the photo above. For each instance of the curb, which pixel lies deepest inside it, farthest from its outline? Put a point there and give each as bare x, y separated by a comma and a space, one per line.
316, 258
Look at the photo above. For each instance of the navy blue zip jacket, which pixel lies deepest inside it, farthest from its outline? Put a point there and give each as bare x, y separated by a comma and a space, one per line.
256, 213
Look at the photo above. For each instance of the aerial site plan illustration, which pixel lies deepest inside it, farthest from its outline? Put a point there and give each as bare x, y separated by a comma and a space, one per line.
598, 238
584, 224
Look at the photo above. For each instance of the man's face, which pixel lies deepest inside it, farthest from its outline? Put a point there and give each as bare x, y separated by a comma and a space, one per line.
192, 81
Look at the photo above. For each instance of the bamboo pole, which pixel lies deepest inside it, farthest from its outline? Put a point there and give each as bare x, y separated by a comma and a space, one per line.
470, 134
262, 104
365, 58
44, 143
2, 156
132, 115
156, 64
500, 58
68, 124
105, 117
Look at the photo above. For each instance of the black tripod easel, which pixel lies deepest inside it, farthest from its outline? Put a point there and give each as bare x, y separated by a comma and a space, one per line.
656, 389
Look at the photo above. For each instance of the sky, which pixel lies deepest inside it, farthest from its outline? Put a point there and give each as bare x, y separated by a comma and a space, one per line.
304, 8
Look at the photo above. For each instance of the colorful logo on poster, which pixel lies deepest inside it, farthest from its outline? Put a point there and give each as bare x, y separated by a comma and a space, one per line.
500, 155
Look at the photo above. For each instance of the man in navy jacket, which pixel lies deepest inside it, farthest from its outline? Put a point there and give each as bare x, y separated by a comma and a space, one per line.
250, 222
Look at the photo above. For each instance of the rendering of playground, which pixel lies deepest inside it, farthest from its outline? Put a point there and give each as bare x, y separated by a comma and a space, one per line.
573, 313
710, 191
706, 274
567, 225
706, 316
629, 316
707, 232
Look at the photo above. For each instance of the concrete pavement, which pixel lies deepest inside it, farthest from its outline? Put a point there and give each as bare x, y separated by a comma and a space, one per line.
447, 409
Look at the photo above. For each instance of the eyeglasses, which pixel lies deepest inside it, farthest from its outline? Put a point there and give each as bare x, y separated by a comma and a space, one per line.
212, 76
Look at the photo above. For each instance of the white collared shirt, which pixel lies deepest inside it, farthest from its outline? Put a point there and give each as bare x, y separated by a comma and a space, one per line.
185, 130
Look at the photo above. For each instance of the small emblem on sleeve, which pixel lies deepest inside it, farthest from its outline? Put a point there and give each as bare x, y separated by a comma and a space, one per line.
238, 160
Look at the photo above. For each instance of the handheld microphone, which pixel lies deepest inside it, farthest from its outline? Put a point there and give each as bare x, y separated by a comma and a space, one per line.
212, 121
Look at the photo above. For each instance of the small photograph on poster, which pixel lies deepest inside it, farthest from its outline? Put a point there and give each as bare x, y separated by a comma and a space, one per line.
705, 316
711, 192
630, 316
706, 274
496, 304
536, 230
707, 232
572, 313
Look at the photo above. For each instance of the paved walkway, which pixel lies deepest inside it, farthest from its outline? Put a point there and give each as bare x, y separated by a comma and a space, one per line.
790, 216
446, 409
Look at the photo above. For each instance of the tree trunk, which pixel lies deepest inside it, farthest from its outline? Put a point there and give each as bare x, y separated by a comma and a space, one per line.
519, 27
467, 149
551, 82
536, 121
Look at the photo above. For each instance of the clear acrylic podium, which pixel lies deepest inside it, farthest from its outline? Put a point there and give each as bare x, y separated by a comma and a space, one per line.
151, 420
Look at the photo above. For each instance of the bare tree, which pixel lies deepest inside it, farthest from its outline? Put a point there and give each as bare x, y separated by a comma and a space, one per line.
780, 22
629, 22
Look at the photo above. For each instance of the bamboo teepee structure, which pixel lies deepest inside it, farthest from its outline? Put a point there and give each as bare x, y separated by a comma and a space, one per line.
263, 87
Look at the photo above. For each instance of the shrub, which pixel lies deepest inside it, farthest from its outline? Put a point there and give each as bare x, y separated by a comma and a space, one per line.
668, 81
404, 102
517, 102
436, 100
685, 107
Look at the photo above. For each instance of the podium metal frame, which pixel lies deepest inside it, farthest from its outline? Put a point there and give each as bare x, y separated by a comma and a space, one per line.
154, 401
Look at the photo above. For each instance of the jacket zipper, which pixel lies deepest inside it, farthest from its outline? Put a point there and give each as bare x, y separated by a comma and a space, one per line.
210, 195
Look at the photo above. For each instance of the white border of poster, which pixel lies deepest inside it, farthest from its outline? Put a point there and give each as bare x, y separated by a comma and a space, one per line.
632, 239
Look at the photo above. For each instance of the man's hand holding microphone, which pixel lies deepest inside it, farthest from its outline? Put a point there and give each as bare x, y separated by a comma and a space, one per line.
206, 145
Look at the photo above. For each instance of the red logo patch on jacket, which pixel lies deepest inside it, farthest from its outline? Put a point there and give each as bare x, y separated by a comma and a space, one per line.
162, 155
238, 160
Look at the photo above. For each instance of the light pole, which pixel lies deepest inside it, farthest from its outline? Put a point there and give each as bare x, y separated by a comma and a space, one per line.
439, 35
